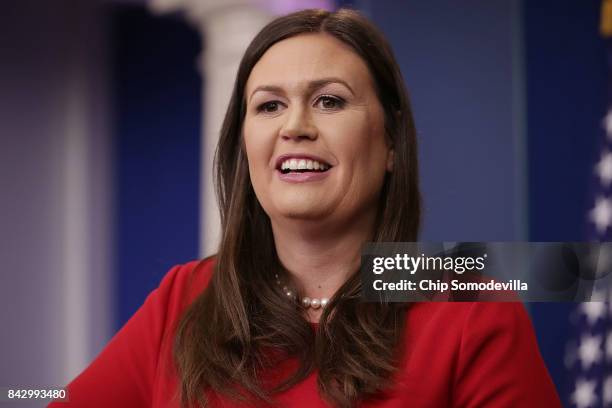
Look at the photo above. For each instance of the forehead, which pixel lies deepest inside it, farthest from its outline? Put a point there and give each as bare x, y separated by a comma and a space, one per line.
309, 57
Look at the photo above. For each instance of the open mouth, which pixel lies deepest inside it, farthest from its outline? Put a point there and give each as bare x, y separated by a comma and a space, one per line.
303, 166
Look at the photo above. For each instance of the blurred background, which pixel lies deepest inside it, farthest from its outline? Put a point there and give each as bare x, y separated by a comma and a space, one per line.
109, 112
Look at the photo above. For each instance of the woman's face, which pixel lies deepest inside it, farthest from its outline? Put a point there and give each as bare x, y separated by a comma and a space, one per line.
314, 131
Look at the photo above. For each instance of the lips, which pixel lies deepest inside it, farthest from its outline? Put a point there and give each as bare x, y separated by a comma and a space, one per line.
301, 163
302, 168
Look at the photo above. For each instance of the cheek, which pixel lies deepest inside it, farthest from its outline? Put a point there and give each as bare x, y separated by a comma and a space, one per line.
366, 155
258, 150
255, 152
364, 147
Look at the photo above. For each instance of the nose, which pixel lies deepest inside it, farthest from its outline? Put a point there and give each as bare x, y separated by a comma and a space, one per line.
298, 126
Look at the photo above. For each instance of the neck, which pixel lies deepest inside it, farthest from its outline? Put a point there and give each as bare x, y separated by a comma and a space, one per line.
320, 258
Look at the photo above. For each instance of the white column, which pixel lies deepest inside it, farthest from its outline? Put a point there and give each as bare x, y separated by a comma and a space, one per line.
227, 28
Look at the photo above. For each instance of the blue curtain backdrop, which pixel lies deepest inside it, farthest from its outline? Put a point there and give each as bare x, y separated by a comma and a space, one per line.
566, 99
157, 102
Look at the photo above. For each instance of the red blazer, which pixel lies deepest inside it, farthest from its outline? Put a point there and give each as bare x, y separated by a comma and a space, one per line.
458, 355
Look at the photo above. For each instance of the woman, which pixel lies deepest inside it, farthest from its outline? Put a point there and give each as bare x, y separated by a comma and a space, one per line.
317, 156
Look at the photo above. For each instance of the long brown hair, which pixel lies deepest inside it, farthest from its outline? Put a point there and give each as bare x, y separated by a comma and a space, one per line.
242, 325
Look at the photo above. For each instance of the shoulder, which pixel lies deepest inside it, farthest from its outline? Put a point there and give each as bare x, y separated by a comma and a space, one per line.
165, 305
465, 343
464, 325
132, 363
184, 283
179, 288
469, 315
190, 278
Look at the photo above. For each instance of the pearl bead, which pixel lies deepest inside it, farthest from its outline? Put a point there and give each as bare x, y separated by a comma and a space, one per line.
306, 301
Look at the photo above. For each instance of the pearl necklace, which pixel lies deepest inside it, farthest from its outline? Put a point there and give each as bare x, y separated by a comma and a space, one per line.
306, 301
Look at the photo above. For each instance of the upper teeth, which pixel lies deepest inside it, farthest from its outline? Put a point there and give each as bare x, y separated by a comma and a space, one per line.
303, 164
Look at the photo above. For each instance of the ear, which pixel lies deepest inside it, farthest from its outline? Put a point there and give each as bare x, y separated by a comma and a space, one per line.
390, 159
391, 152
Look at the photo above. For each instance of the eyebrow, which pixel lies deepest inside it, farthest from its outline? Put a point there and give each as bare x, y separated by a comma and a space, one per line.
312, 85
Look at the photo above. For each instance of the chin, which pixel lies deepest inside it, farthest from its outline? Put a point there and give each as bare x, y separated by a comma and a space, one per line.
303, 214
303, 211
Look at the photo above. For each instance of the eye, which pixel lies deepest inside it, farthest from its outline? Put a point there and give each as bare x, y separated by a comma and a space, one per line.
269, 107
329, 102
